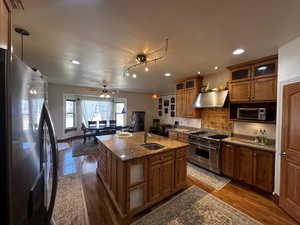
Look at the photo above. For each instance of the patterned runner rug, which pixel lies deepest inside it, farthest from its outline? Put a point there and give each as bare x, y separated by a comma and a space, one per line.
195, 206
207, 177
70, 206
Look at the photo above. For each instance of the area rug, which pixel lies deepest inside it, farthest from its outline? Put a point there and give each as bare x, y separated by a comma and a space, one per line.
206, 176
195, 206
79, 148
70, 206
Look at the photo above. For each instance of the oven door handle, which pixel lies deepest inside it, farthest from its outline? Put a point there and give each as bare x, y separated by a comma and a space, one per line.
203, 146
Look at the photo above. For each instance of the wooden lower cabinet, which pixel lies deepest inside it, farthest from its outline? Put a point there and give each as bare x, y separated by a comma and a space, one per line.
228, 160
245, 160
263, 170
179, 136
251, 166
180, 172
134, 185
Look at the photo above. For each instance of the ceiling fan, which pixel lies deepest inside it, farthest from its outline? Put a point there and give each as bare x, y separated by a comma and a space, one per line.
107, 93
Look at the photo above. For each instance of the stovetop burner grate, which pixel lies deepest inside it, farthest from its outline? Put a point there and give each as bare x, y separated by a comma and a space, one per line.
218, 136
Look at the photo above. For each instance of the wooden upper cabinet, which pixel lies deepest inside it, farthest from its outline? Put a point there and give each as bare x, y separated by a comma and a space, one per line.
264, 69
242, 73
4, 25
186, 93
263, 170
240, 91
264, 89
254, 81
180, 103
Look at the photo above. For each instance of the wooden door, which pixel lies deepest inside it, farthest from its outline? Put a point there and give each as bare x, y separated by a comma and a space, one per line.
167, 177
245, 164
154, 181
240, 91
180, 172
290, 160
4, 25
228, 160
263, 170
264, 89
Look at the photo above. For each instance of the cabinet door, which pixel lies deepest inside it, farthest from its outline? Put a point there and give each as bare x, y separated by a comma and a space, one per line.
264, 89
268, 68
136, 197
228, 160
154, 181
190, 97
180, 103
167, 177
180, 172
190, 84
263, 170
136, 172
242, 73
173, 135
4, 25
245, 161
240, 91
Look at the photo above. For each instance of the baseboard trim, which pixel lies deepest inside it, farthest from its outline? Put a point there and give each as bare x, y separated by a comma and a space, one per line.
275, 198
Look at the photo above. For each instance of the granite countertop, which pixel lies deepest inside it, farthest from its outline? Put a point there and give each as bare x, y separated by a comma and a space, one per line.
249, 143
185, 130
127, 148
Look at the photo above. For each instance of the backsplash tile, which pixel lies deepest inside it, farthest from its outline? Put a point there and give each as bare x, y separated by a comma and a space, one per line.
217, 119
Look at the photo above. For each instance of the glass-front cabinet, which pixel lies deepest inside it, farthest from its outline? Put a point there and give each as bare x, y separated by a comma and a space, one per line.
263, 69
242, 73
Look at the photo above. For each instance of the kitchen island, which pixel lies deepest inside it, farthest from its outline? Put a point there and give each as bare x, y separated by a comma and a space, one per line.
137, 178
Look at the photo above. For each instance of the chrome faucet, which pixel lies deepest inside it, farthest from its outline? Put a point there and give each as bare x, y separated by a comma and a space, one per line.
146, 135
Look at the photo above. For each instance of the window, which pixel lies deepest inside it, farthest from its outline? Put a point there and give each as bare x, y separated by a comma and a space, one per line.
120, 113
70, 114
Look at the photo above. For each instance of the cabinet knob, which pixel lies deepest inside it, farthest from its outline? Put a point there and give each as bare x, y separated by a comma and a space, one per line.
283, 154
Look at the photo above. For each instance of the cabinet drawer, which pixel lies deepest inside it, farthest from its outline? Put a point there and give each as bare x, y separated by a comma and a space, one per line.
181, 152
167, 156
155, 159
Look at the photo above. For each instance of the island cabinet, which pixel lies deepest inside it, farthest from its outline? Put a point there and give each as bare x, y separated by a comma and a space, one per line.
135, 184
249, 165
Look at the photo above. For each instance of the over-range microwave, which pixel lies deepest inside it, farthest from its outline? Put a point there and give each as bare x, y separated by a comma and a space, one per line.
252, 114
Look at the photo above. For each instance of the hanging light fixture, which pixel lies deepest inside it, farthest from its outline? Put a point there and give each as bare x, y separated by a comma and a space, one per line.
145, 59
105, 93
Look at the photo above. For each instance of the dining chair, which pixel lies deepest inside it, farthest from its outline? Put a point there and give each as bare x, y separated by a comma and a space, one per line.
92, 123
112, 126
102, 123
86, 133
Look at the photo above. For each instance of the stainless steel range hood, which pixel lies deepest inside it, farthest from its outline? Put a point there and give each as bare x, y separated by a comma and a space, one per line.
213, 99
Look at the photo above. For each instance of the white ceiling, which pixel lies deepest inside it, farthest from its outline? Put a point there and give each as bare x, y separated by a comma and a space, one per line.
105, 36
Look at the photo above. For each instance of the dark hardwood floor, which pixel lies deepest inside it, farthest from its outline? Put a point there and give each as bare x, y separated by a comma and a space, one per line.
101, 211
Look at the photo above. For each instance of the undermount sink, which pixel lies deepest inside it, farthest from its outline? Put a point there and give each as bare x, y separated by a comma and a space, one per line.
152, 146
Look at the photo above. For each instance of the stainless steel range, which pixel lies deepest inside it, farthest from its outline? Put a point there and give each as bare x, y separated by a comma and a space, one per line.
205, 149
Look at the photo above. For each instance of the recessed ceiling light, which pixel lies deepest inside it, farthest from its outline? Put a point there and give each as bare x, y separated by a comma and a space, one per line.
134, 75
167, 74
199, 72
146, 69
75, 62
238, 51
216, 68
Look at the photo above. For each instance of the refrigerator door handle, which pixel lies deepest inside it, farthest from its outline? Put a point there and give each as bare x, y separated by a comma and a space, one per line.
46, 119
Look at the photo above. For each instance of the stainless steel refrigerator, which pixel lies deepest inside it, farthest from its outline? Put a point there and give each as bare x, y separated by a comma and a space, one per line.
28, 155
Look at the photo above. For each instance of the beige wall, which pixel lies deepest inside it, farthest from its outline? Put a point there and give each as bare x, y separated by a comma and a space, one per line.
135, 102
288, 72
